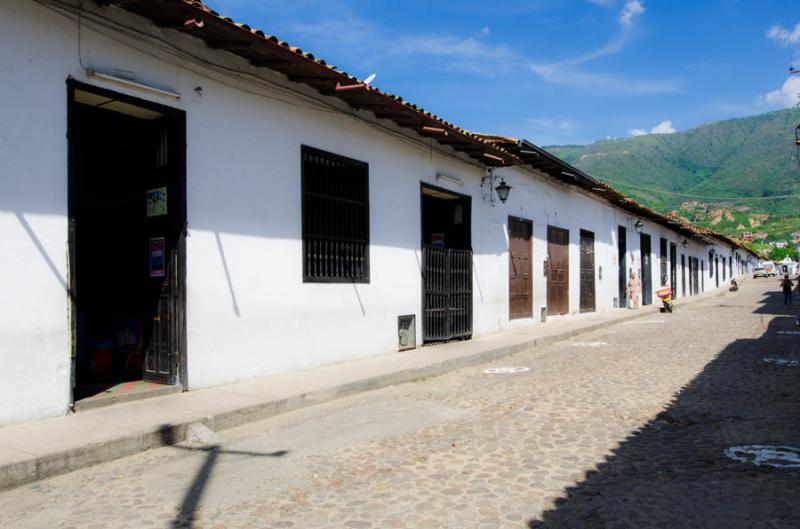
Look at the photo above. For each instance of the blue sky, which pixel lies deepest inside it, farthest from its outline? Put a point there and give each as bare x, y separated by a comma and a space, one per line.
554, 71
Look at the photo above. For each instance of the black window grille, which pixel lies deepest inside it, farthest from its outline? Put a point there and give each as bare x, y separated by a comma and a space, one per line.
664, 263
335, 218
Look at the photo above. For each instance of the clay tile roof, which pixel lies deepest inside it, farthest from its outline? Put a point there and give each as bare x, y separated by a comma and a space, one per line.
268, 51
265, 50
558, 169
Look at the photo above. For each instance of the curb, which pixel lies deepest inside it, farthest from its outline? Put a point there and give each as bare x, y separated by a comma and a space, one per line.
61, 462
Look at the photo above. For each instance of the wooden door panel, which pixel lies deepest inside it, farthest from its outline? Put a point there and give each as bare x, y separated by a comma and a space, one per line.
520, 296
557, 270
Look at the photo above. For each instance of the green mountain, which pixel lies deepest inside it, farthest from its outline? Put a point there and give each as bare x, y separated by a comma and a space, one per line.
697, 172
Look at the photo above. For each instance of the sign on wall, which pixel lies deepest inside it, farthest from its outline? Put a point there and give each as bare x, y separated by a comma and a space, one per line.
157, 201
157, 260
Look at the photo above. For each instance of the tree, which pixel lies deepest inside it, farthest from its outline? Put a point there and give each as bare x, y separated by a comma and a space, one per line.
778, 254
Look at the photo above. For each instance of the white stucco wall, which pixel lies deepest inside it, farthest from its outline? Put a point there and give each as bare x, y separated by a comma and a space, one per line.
248, 311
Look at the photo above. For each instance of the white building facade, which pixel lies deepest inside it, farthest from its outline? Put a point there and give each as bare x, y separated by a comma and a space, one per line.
162, 199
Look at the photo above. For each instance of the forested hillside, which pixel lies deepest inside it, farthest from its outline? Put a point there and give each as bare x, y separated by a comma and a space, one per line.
696, 171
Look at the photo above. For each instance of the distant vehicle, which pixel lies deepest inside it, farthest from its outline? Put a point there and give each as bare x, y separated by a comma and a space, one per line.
771, 269
760, 271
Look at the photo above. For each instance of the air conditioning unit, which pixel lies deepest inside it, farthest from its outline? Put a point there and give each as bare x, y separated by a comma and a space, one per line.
406, 332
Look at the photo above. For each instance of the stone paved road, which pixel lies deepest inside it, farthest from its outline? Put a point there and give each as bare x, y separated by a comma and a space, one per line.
624, 428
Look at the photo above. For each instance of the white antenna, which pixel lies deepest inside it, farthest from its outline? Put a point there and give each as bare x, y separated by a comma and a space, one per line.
371, 78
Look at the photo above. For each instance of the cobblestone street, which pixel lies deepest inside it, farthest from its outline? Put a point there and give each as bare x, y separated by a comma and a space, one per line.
624, 428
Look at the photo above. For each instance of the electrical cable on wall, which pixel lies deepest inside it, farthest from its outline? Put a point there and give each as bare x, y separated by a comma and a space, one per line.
240, 75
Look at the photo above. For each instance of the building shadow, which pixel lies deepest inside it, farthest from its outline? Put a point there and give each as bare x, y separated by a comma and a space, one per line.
772, 303
191, 500
673, 472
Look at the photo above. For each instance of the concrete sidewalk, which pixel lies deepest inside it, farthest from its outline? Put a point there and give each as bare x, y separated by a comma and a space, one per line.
37, 450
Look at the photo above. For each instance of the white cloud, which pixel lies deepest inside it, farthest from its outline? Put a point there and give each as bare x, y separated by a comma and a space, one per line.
466, 54
630, 10
786, 96
368, 45
561, 125
569, 71
665, 127
784, 36
579, 78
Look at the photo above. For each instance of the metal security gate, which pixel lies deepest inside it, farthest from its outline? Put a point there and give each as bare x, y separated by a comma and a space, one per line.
587, 287
447, 293
520, 288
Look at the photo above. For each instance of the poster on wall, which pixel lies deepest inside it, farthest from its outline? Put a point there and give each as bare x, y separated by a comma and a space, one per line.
157, 201
157, 260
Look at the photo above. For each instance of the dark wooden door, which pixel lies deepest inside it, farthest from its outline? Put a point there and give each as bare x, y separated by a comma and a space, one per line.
647, 269
557, 270
683, 275
716, 269
520, 286
587, 289
622, 259
447, 293
702, 276
691, 276
164, 226
673, 269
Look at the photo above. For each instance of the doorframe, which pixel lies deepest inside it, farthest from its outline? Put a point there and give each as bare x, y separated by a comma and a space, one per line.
673, 268
622, 267
173, 113
593, 308
646, 276
548, 270
468, 218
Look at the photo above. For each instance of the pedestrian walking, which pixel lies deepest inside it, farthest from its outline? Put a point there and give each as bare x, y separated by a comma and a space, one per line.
634, 287
787, 286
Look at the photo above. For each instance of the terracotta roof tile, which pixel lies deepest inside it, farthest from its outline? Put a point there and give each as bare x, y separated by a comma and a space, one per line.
173, 13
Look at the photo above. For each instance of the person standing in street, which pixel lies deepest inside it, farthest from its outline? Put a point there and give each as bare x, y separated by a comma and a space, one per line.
787, 285
634, 286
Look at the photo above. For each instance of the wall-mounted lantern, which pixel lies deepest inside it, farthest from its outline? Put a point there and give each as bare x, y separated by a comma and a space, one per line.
502, 189
638, 225
684, 244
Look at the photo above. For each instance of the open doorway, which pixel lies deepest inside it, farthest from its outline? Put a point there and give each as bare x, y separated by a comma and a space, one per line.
127, 216
446, 265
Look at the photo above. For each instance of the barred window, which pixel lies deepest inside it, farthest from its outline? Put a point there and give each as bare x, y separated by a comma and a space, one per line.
335, 218
664, 263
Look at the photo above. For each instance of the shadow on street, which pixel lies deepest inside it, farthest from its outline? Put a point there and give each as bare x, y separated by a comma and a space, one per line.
194, 494
673, 472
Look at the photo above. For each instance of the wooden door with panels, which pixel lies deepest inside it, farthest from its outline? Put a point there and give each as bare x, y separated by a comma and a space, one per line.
520, 285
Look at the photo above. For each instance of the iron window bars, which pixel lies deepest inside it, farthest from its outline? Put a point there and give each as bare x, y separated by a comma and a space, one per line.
335, 204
